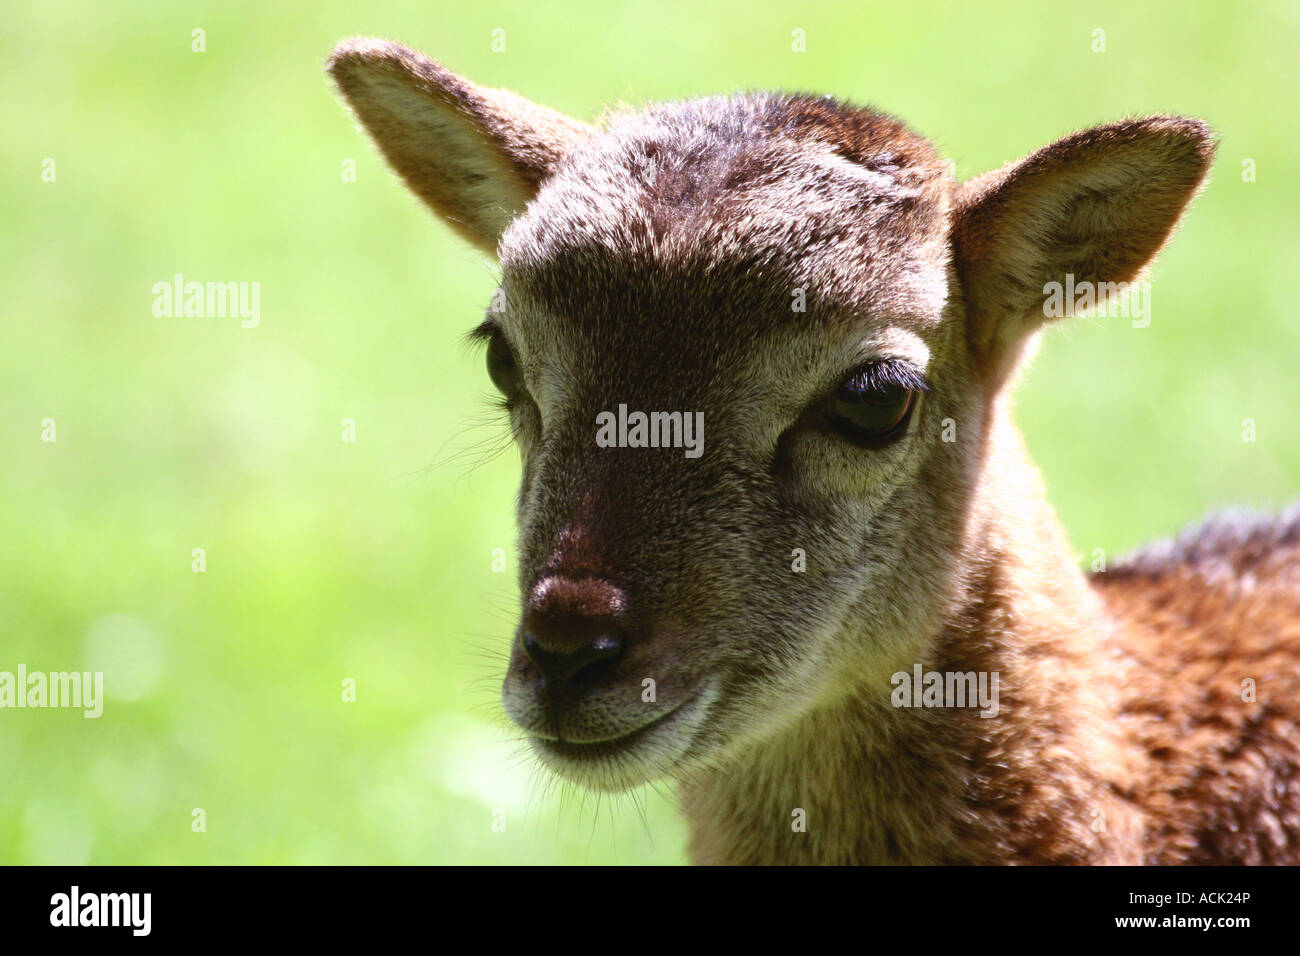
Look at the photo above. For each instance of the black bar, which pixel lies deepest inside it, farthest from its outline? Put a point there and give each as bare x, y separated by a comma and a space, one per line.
332, 904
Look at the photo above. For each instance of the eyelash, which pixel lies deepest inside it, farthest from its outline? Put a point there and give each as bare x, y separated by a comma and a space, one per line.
881, 375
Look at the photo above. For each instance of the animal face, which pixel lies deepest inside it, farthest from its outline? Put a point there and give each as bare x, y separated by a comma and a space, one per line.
731, 261
749, 348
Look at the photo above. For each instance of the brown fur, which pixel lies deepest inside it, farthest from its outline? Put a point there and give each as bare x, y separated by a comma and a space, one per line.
654, 264
1219, 608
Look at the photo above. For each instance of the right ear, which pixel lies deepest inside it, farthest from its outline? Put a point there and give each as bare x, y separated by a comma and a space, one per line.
475, 155
1093, 208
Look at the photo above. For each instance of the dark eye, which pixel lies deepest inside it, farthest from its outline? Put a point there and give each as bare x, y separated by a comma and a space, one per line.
869, 409
502, 368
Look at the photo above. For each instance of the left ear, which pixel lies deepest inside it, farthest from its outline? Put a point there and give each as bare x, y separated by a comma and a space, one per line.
1097, 205
475, 155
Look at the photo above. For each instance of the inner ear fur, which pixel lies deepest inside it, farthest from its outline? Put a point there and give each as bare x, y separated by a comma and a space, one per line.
474, 155
1098, 204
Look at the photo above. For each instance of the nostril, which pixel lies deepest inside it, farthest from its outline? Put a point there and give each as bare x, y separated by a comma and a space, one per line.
607, 647
566, 663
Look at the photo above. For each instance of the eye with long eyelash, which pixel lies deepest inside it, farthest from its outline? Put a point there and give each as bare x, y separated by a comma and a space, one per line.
873, 406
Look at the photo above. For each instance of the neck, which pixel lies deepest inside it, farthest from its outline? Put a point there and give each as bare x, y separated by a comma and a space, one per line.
858, 780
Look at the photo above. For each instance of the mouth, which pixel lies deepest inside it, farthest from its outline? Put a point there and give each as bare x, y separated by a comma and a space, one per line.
595, 749
628, 760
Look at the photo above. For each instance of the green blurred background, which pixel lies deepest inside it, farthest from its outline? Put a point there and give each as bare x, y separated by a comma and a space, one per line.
372, 560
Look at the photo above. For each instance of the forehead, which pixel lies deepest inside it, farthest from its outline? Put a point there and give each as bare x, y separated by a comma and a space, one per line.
756, 210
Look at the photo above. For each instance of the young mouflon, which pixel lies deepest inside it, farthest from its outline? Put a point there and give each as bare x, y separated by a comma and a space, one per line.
780, 541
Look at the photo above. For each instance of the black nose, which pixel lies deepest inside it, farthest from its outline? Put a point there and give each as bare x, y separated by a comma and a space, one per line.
571, 627
567, 661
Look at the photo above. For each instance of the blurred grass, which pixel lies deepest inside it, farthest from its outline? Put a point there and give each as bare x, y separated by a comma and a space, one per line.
372, 560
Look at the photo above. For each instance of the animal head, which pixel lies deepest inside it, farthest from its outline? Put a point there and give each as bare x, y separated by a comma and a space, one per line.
732, 335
